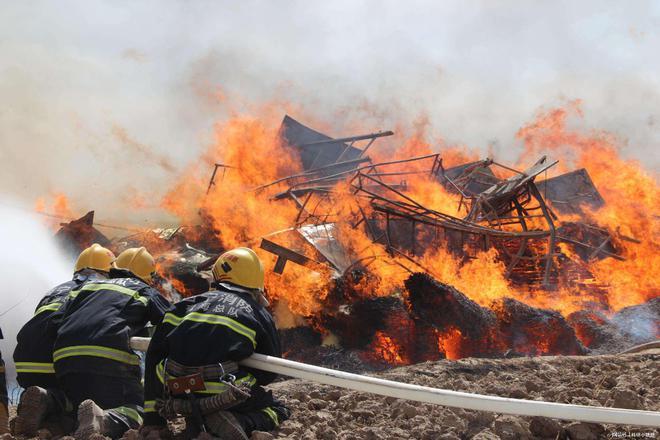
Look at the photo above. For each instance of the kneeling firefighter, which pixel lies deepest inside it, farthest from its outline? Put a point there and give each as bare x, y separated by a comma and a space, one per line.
191, 364
94, 364
33, 355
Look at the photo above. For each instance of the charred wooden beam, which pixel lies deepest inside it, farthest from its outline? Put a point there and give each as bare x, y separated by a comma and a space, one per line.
284, 255
531, 330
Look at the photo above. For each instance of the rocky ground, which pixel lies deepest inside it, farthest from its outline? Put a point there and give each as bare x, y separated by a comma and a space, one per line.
624, 381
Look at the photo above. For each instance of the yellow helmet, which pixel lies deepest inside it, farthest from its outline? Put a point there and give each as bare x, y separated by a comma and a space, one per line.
240, 266
95, 257
137, 260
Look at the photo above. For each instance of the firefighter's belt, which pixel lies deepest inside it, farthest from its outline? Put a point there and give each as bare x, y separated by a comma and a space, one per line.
212, 372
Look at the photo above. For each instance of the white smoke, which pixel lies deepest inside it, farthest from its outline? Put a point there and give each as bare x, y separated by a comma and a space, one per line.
30, 265
109, 97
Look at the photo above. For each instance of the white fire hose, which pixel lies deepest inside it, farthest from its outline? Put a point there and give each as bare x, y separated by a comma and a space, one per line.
438, 396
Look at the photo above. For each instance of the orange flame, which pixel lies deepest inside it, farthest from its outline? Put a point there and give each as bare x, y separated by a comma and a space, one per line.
241, 215
385, 348
57, 205
450, 342
632, 199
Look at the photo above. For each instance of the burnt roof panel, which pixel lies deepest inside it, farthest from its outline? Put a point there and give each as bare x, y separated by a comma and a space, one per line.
569, 192
317, 154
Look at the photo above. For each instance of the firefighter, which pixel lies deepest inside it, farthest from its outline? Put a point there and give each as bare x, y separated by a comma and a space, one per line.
94, 364
4, 401
33, 355
201, 341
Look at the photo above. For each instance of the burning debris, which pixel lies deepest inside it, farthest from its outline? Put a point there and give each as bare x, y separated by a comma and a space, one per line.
79, 234
383, 260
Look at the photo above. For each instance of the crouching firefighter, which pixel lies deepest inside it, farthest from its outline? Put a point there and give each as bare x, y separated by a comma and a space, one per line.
33, 355
94, 364
191, 365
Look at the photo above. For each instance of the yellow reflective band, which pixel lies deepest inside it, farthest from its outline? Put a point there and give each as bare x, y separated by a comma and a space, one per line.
96, 351
130, 413
272, 414
220, 387
35, 367
172, 319
216, 320
52, 307
149, 406
159, 372
115, 288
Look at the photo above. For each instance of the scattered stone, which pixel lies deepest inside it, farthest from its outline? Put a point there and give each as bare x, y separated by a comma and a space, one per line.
363, 414
326, 433
291, 426
333, 395
517, 391
585, 431
510, 427
260, 435
486, 434
431, 434
409, 411
317, 404
532, 386
609, 382
628, 399
483, 418
131, 434
544, 427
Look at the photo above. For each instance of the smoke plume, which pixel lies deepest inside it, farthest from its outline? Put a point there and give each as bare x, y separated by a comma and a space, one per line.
30, 265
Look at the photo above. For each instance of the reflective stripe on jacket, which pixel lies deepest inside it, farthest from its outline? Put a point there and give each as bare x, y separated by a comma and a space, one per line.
98, 320
34, 348
224, 324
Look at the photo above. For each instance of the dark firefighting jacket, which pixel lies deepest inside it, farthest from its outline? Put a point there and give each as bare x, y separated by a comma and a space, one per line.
33, 354
95, 325
224, 324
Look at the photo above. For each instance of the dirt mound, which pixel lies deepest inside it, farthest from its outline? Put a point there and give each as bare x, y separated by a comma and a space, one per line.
325, 412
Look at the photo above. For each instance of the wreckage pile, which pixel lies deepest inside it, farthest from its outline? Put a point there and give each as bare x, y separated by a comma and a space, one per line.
372, 247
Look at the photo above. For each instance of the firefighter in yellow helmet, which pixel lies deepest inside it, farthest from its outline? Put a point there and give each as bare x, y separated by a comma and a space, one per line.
94, 363
232, 318
137, 261
33, 355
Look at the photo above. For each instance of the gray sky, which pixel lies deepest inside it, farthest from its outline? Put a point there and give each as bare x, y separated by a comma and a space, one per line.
91, 91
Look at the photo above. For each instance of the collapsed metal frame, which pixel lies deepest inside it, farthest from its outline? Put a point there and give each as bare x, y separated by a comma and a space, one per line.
491, 214
516, 202
406, 208
317, 173
311, 188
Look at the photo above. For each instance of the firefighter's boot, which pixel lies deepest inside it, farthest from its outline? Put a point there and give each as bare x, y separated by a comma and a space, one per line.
92, 419
225, 425
33, 408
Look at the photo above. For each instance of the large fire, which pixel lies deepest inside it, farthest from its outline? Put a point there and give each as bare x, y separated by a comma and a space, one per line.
240, 211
